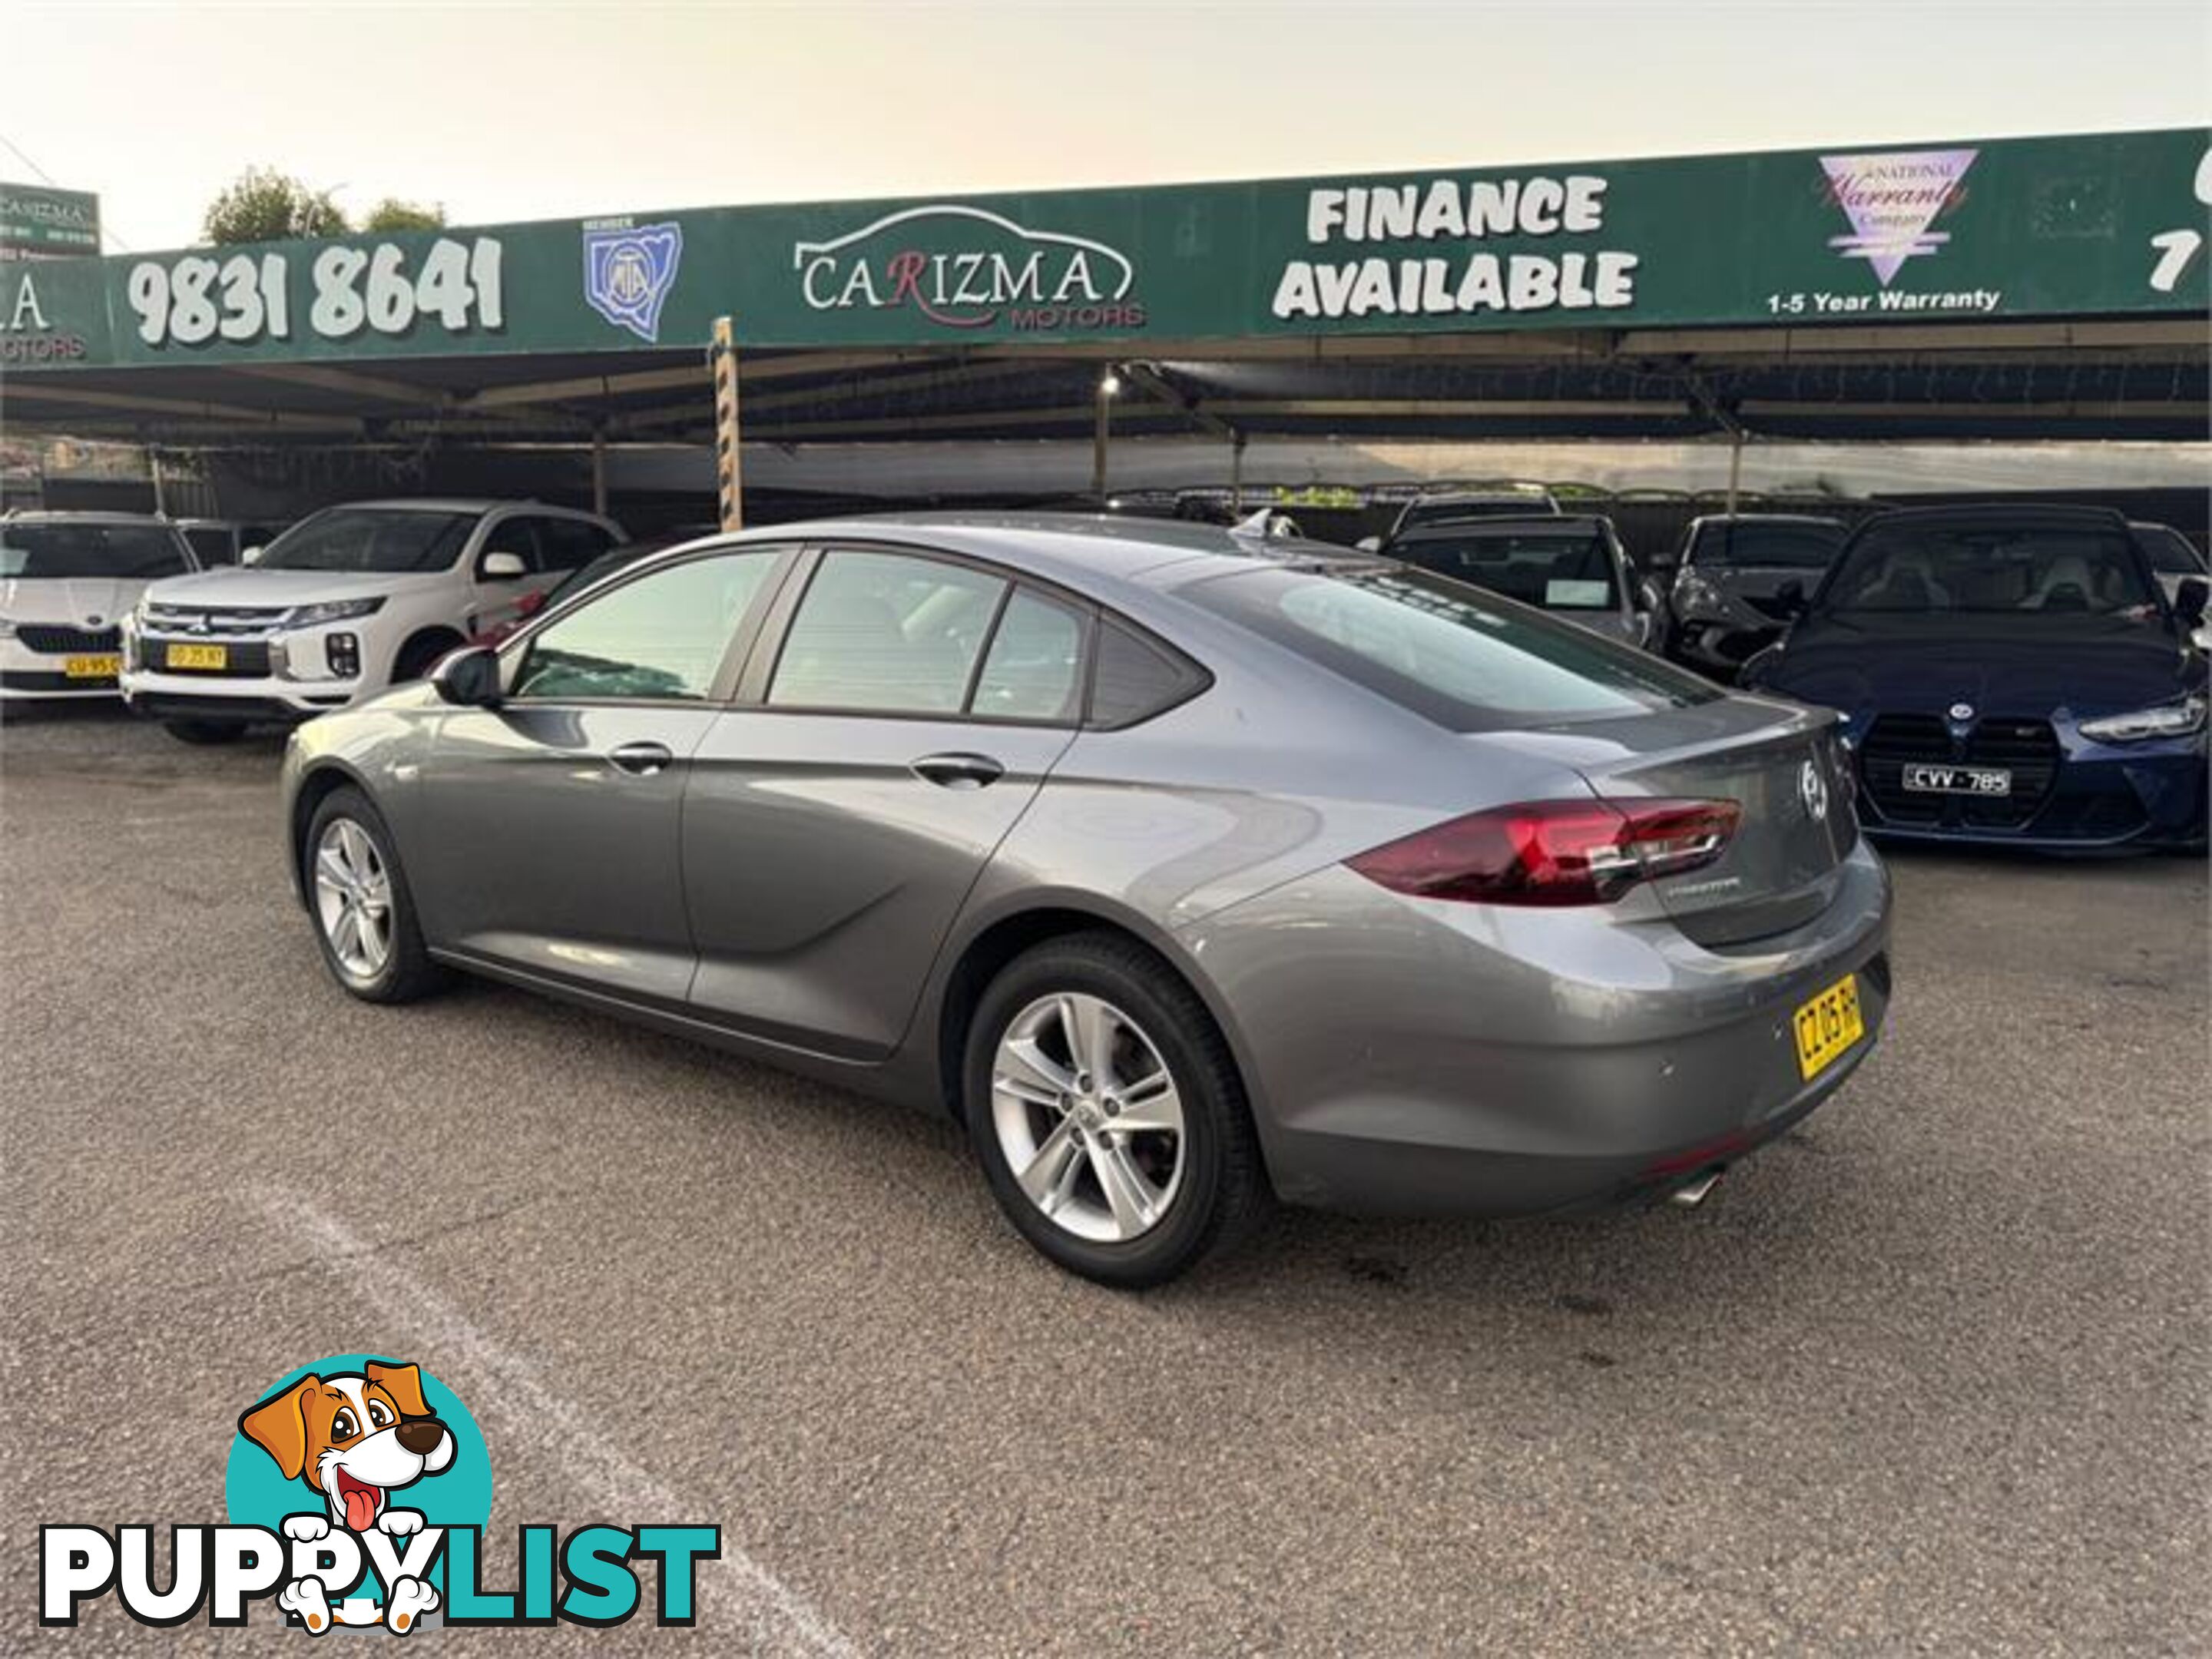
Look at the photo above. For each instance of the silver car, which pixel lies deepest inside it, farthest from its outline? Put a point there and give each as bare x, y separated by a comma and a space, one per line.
1181, 868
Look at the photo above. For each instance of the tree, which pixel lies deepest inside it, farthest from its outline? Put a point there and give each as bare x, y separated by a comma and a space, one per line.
393, 214
264, 205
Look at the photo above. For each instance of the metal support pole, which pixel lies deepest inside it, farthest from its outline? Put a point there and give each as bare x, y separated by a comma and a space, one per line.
1735, 468
1237, 474
160, 494
599, 468
729, 471
1103, 401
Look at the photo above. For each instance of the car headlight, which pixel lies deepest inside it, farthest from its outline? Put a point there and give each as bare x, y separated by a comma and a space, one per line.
330, 610
2165, 720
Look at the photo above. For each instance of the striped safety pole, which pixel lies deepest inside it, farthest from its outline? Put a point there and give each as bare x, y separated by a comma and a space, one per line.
729, 471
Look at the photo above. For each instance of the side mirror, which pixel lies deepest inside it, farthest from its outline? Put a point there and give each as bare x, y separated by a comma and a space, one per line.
1791, 598
468, 677
500, 566
1369, 544
252, 555
2189, 600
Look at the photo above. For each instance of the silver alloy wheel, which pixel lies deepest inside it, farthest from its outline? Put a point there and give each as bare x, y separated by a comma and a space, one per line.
1088, 1117
353, 899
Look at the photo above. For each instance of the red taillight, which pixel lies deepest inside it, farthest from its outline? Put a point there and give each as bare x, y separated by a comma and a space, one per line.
1553, 851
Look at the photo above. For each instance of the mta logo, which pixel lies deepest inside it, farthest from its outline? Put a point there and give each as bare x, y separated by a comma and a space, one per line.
628, 272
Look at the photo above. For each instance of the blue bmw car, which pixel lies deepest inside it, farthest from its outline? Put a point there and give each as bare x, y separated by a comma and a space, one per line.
2010, 675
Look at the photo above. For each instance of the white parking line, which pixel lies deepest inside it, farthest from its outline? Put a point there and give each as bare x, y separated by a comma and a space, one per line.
743, 1599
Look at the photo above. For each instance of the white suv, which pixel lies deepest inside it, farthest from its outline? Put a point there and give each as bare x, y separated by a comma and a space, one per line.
66, 581
345, 603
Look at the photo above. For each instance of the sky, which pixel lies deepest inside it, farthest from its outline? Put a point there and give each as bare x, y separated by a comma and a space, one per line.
508, 112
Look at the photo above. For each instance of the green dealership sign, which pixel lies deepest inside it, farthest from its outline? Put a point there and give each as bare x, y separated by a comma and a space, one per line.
2033, 227
37, 222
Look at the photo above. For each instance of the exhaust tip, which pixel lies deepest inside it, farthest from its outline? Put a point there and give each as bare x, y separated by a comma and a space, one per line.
1696, 1192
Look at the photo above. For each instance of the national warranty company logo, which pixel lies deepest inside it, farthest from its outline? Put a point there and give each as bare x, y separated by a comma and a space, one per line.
962, 267
1894, 201
358, 1490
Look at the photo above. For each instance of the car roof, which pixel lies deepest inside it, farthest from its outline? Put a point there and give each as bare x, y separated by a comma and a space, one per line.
2050, 513
64, 515
1820, 519
1077, 550
457, 504
1539, 523
1427, 496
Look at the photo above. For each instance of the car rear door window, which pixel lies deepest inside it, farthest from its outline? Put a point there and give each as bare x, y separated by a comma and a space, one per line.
885, 633
662, 636
1034, 668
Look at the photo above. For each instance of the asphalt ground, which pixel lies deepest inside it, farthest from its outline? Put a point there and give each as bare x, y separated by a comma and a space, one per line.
1929, 1375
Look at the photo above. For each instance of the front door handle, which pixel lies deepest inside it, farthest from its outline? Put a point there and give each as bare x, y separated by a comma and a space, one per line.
642, 760
958, 771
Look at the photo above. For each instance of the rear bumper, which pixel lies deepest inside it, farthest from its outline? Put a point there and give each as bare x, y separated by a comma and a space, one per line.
1416, 1058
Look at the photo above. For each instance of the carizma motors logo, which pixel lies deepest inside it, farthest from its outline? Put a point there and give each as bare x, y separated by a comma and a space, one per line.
965, 267
358, 1491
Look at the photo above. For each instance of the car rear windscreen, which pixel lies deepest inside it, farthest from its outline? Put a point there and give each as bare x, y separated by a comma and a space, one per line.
1451, 653
1775, 546
130, 551
1556, 570
2028, 569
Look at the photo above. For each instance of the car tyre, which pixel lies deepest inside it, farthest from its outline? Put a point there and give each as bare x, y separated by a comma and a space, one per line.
202, 733
419, 656
1195, 1189
360, 903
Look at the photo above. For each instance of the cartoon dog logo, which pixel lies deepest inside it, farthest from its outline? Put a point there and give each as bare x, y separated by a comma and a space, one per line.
355, 1439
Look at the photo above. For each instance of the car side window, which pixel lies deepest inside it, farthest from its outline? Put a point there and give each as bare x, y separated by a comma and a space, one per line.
517, 535
664, 635
569, 543
885, 633
1136, 679
1033, 671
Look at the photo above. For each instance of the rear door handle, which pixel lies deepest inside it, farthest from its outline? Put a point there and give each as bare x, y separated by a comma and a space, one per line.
958, 771
642, 760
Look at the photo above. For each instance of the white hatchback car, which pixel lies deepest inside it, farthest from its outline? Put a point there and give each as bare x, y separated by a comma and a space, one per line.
67, 579
348, 601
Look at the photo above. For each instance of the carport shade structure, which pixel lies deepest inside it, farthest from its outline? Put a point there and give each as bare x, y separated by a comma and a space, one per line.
2019, 288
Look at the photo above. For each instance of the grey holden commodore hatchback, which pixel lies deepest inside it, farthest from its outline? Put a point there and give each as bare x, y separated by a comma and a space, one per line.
1180, 867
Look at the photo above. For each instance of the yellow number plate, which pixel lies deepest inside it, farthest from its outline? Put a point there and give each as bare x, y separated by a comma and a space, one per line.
199, 656
1828, 1025
92, 668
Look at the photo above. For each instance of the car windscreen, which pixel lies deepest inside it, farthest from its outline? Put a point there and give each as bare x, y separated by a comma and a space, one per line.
2027, 569
1739, 546
380, 541
1459, 656
1555, 569
2170, 552
137, 551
